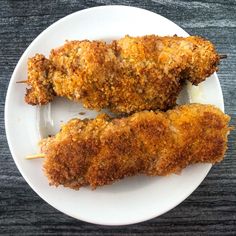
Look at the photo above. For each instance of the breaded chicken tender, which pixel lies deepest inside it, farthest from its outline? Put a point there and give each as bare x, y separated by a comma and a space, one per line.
128, 75
101, 151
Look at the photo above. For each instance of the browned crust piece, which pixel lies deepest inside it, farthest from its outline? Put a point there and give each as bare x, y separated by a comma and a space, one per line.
131, 74
100, 151
39, 80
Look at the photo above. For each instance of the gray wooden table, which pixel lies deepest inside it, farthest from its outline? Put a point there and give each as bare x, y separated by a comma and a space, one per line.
210, 210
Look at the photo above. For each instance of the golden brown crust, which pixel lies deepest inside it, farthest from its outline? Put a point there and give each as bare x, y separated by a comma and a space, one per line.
39, 80
100, 151
128, 75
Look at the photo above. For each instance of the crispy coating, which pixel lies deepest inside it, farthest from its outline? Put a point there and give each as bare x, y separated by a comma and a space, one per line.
39, 78
131, 74
100, 151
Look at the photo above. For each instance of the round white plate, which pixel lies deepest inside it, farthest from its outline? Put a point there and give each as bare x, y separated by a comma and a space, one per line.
128, 201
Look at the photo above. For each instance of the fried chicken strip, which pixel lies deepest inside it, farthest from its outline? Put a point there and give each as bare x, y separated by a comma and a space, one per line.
131, 74
100, 151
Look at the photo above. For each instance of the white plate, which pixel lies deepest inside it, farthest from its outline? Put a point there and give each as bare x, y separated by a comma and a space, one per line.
128, 201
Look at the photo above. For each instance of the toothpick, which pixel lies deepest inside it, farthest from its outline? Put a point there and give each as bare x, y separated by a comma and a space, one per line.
21, 82
36, 156
223, 56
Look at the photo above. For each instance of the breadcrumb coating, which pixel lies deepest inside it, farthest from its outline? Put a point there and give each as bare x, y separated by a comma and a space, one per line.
101, 151
128, 75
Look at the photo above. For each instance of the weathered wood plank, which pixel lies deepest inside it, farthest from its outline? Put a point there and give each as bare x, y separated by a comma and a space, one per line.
210, 210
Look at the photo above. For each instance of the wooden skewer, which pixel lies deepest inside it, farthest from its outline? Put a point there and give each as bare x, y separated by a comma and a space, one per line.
21, 82
36, 156
223, 56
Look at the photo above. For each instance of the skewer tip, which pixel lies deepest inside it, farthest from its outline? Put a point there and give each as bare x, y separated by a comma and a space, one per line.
36, 156
21, 82
223, 56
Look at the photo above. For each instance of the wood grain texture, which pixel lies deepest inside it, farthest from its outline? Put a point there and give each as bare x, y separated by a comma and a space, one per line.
210, 210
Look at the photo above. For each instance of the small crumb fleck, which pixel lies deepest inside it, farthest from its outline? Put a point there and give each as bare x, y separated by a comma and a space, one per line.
82, 113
